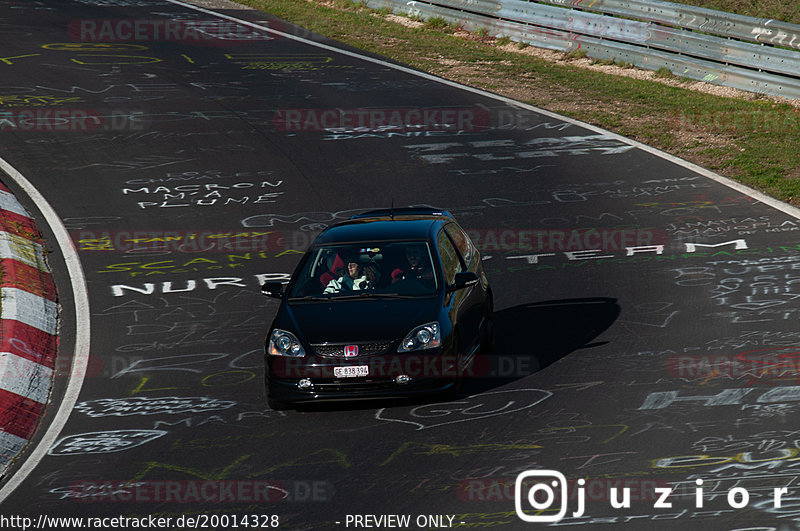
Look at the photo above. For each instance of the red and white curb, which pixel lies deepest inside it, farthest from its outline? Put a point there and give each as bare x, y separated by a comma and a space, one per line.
28, 328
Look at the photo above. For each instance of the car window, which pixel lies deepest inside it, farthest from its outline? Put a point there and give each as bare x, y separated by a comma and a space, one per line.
364, 269
462, 241
450, 260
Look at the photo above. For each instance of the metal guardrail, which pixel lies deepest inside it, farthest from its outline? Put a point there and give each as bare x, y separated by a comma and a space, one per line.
646, 44
720, 23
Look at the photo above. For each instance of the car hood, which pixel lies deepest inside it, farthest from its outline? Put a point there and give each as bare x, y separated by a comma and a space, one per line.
358, 320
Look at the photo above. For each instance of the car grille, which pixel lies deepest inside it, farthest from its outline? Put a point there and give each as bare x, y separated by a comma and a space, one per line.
364, 349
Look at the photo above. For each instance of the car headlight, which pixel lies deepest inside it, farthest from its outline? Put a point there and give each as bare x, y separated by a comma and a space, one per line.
422, 338
283, 343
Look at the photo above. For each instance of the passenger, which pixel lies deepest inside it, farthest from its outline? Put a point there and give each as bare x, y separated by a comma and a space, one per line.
416, 267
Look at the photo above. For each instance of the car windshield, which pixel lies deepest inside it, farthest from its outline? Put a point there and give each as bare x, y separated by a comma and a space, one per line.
374, 269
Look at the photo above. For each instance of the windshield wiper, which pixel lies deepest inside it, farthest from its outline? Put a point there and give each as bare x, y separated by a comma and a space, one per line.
369, 294
360, 295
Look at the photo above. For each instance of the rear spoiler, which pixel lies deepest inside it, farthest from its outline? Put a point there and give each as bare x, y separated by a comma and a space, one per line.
404, 211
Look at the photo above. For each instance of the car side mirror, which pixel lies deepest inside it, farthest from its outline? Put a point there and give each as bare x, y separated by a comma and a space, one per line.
272, 288
463, 280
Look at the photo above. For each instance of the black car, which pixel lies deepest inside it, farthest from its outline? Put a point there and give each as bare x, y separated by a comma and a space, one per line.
389, 303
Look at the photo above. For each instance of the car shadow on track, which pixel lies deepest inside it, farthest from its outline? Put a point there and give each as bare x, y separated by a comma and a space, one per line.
529, 337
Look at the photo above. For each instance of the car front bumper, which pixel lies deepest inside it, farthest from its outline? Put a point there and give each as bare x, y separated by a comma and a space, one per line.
389, 376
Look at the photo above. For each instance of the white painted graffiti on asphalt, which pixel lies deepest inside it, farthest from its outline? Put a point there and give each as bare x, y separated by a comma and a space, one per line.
475, 407
151, 288
171, 405
103, 442
508, 149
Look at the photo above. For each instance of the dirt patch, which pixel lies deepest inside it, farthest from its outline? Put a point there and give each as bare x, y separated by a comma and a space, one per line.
219, 4
405, 21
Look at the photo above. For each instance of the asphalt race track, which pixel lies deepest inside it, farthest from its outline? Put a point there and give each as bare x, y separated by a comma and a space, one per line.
645, 312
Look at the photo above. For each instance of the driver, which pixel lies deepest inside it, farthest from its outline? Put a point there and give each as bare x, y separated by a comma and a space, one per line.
356, 277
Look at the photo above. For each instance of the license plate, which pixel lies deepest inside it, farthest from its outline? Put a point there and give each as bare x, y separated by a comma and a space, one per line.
351, 372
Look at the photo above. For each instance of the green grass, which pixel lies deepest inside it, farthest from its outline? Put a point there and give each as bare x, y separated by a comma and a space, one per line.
575, 54
756, 142
785, 10
664, 73
437, 23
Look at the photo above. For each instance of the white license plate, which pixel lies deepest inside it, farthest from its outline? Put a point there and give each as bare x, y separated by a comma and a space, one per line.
351, 372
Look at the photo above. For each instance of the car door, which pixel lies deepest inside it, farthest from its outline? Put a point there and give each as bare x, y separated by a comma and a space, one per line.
464, 313
475, 302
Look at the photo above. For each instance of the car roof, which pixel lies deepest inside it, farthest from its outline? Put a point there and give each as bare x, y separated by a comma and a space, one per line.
383, 225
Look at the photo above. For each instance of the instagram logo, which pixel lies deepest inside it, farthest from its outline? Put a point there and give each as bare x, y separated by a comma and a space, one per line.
539, 486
